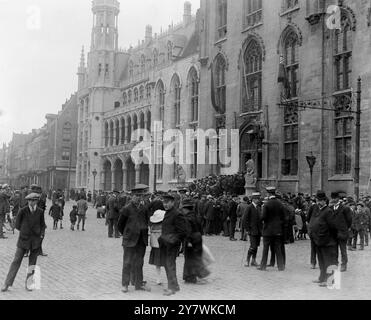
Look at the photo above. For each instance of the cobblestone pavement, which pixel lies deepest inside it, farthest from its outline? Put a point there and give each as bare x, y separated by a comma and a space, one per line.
87, 265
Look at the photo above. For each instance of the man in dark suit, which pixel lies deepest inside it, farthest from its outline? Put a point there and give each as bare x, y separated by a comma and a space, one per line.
133, 225
174, 230
113, 215
253, 224
343, 217
324, 231
233, 218
31, 224
209, 216
274, 219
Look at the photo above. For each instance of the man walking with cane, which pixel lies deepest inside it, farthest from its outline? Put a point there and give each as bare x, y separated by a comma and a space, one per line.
31, 224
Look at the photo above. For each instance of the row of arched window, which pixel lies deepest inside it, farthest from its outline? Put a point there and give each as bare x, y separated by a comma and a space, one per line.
120, 131
137, 95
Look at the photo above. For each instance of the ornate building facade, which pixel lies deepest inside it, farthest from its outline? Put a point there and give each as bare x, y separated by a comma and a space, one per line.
287, 79
122, 91
276, 71
46, 156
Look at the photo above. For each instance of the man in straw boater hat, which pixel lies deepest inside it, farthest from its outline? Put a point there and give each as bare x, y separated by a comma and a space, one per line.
133, 225
174, 230
324, 231
253, 224
31, 225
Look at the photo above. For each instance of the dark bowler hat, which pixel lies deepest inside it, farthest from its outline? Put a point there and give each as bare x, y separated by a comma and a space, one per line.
139, 189
33, 196
321, 195
168, 197
188, 203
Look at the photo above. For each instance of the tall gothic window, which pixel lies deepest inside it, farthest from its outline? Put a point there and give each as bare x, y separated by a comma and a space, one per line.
222, 18
343, 134
136, 95
130, 94
161, 100
176, 96
131, 69
106, 134
291, 141
252, 78
220, 84
291, 57
149, 92
343, 54
160, 146
253, 13
155, 58
194, 93
142, 64
141, 93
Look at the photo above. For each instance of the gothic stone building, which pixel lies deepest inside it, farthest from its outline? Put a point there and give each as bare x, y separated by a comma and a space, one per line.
247, 45
121, 91
249, 65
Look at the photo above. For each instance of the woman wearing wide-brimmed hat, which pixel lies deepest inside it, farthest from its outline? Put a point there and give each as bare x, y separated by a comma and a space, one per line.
157, 257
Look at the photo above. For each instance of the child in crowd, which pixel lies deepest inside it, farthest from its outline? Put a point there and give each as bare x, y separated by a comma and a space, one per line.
73, 217
56, 213
157, 257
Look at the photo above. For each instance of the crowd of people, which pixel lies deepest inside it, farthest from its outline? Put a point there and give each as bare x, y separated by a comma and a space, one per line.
175, 222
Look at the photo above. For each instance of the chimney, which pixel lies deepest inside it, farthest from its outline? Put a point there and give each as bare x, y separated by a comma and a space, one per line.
187, 16
148, 36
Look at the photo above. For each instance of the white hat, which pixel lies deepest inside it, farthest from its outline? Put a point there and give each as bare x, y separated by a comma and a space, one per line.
158, 216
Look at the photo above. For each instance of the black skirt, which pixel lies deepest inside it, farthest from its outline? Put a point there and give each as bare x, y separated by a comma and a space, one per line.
157, 257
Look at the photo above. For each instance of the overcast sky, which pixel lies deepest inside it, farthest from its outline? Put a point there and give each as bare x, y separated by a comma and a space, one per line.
39, 57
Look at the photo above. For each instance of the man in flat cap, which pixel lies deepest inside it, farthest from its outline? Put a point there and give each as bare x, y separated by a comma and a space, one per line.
133, 225
174, 230
113, 215
343, 217
31, 225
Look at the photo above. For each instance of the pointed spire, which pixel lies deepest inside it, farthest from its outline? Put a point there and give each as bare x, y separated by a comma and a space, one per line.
82, 58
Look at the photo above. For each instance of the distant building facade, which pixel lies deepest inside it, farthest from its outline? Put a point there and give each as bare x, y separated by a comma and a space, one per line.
46, 156
4, 164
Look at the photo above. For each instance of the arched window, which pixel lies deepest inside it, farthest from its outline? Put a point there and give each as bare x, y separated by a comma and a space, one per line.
135, 95
149, 92
252, 78
289, 163
161, 100
112, 132
220, 84
130, 97
155, 58
106, 134
175, 88
125, 98
131, 69
141, 93
343, 52
67, 132
142, 63
291, 60
129, 129
193, 92
343, 47
117, 132
122, 131
253, 13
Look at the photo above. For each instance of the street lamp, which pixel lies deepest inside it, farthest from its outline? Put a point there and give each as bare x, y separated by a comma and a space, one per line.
311, 162
94, 175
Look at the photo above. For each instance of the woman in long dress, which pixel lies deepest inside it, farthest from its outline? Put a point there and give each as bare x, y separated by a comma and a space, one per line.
194, 267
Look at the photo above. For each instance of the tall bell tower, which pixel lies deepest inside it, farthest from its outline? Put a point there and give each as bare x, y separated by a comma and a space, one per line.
105, 25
